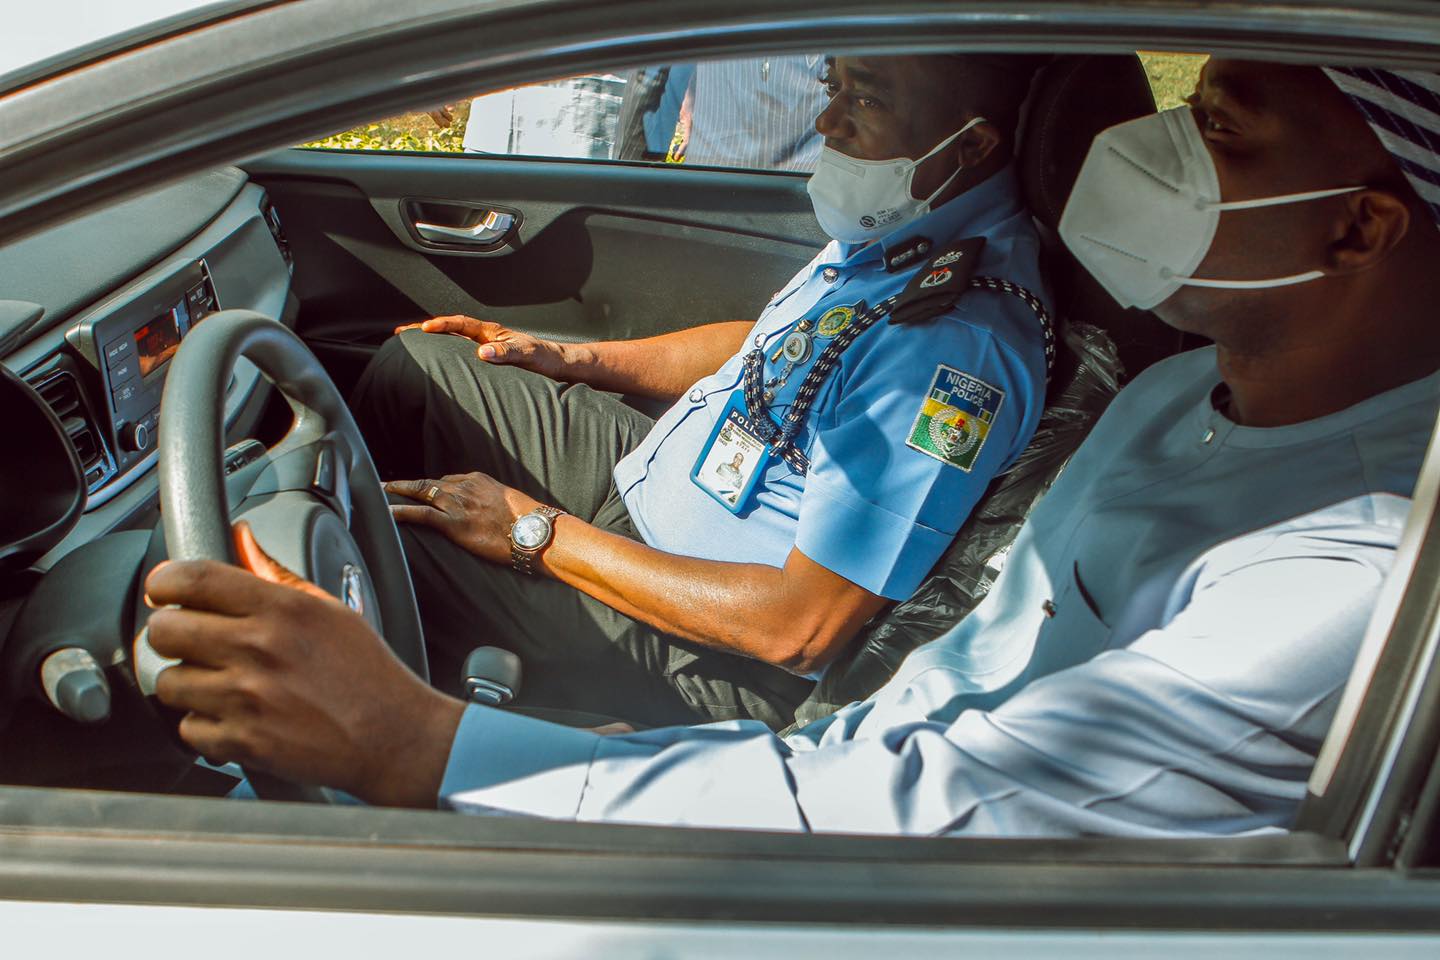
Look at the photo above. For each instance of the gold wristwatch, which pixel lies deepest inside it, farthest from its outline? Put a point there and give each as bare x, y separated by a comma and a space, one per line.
529, 535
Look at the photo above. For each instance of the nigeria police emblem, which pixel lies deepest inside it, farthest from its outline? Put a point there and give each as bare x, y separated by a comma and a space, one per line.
955, 418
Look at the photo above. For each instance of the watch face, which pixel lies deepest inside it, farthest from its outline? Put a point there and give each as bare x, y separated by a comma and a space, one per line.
530, 531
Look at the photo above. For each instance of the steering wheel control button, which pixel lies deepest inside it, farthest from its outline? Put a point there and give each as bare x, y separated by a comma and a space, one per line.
149, 664
75, 685
135, 437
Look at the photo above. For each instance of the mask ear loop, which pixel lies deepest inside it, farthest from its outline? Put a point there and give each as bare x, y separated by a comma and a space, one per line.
1244, 284
1275, 201
1289, 281
975, 122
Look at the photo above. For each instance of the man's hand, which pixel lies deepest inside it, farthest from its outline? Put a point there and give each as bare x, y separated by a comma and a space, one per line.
473, 509
279, 675
502, 345
617, 729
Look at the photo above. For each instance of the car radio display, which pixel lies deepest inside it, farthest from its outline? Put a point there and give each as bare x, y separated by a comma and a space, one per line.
157, 342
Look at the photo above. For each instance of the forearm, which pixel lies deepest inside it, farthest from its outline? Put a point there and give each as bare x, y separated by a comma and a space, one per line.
663, 366
749, 609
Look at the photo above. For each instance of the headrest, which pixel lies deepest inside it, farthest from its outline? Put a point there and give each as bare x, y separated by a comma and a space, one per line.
1071, 100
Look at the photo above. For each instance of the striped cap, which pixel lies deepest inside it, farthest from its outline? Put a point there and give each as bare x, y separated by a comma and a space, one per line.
1403, 108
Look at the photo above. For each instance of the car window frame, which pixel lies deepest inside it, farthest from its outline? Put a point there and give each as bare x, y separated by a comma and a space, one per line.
140, 35
34, 820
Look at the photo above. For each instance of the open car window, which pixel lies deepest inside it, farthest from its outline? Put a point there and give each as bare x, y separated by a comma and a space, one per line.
756, 113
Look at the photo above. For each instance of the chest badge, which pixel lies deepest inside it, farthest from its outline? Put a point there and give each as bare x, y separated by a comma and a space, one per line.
797, 347
835, 320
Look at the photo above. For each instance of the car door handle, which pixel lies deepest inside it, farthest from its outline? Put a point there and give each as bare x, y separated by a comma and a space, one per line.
487, 232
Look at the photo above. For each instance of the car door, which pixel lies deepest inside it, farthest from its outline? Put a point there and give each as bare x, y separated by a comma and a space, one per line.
565, 247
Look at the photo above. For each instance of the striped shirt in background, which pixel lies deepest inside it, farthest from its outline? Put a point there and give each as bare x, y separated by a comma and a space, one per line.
1403, 108
757, 113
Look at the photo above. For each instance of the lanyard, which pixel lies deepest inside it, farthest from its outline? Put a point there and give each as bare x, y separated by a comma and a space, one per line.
780, 437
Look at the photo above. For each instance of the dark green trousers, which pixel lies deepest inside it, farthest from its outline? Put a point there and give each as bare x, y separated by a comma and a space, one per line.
429, 407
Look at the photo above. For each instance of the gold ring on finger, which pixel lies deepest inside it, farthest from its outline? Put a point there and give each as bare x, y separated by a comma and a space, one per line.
432, 493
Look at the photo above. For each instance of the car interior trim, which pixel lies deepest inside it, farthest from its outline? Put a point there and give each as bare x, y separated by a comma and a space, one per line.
684, 883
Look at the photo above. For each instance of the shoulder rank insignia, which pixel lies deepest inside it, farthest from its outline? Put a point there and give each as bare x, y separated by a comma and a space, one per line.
955, 418
938, 284
906, 254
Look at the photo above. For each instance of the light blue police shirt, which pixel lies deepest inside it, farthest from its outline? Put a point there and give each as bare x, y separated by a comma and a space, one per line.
1161, 655
872, 508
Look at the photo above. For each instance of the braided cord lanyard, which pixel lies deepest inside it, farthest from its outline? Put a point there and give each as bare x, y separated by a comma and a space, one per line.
780, 437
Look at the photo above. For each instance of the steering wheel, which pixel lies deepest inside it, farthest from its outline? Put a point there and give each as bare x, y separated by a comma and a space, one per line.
314, 499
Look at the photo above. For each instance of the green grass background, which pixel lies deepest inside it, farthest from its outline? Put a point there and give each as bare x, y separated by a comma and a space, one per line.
1172, 78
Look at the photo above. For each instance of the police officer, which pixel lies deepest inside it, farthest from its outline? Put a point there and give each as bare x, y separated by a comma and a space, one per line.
866, 411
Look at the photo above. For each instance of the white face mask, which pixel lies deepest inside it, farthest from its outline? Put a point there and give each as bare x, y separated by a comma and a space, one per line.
1143, 212
860, 200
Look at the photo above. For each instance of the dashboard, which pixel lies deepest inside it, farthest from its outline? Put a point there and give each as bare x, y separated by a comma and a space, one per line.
96, 308
92, 313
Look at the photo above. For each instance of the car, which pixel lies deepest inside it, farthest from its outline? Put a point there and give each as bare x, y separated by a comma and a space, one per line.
150, 197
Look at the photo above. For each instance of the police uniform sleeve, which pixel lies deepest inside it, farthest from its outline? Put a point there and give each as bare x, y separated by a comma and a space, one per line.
1207, 725
923, 422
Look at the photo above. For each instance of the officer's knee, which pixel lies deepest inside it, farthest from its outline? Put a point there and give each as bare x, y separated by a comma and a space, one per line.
390, 369
416, 350
408, 363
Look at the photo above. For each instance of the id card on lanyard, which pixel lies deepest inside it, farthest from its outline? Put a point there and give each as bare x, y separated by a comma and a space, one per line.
734, 459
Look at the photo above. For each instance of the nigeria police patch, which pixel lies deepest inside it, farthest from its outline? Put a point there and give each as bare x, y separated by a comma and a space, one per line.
955, 418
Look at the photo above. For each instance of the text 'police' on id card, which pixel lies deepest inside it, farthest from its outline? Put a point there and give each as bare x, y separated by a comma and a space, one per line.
730, 465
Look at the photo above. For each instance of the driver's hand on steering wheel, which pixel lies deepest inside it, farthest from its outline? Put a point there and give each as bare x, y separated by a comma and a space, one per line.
502, 345
280, 676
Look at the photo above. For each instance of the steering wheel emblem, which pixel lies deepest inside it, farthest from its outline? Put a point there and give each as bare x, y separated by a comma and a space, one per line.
351, 593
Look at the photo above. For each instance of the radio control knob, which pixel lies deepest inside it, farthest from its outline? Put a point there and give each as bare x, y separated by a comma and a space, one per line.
135, 437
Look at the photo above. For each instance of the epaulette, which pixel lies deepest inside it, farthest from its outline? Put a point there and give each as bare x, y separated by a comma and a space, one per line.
939, 284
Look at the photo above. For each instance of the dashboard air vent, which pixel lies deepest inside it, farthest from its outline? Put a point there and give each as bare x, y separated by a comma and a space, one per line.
61, 392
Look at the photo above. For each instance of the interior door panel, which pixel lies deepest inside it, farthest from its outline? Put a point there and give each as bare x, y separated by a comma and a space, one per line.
598, 250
